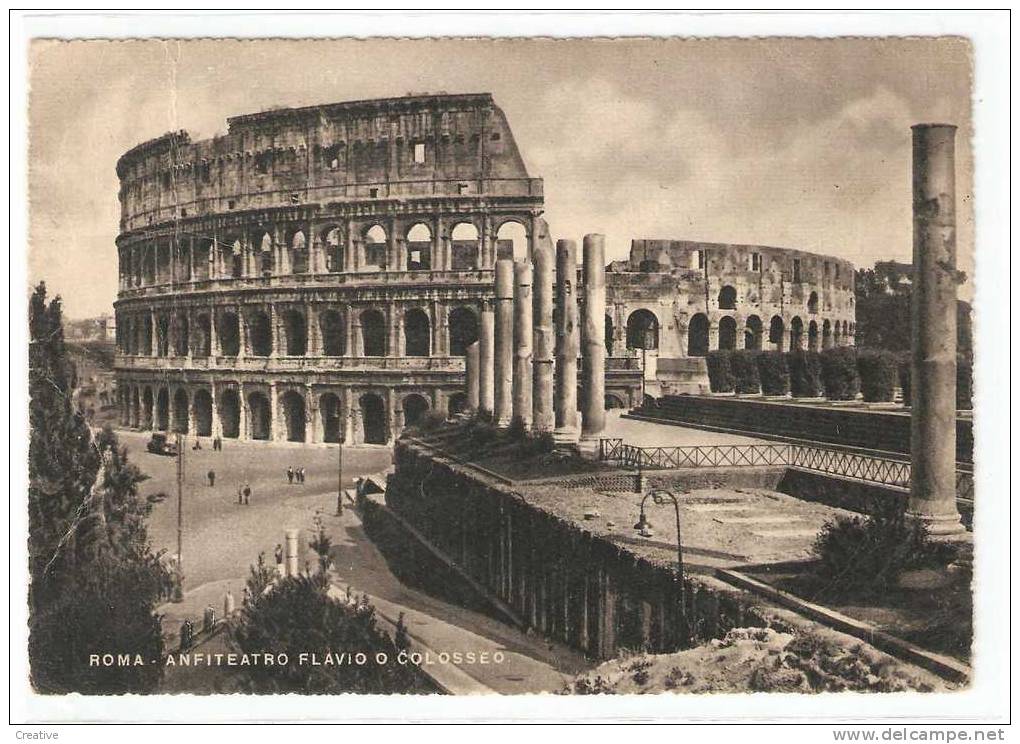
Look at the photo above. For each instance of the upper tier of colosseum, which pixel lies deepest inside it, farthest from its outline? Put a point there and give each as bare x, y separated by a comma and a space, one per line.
393, 148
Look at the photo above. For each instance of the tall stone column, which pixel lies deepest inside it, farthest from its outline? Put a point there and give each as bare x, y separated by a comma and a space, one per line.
486, 358
274, 414
311, 415
523, 330
217, 424
593, 338
567, 343
347, 415
242, 423
291, 541
472, 375
504, 343
214, 336
933, 326
543, 338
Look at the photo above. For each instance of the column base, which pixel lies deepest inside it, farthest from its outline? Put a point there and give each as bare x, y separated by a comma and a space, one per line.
588, 448
566, 436
942, 526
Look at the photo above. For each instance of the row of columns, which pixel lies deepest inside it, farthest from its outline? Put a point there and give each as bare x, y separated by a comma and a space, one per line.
510, 370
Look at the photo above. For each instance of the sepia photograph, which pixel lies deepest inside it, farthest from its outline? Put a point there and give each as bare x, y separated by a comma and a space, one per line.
507, 366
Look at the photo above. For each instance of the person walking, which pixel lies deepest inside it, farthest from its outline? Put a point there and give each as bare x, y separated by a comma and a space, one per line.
279, 559
290, 475
247, 494
301, 475
240, 495
211, 475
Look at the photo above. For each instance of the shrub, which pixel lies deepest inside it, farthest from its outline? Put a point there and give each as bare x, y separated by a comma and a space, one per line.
869, 553
839, 373
878, 371
805, 373
720, 374
517, 430
774, 373
964, 382
905, 378
533, 445
744, 365
432, 421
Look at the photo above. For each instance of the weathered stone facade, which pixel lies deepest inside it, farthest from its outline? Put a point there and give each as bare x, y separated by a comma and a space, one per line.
316, 271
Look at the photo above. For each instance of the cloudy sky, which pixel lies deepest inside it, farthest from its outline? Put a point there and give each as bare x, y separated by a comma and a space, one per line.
797, 143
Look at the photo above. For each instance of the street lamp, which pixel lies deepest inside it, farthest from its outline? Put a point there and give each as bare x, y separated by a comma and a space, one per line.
661, 496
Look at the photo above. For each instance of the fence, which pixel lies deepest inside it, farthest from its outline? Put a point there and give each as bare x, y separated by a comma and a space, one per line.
848, 464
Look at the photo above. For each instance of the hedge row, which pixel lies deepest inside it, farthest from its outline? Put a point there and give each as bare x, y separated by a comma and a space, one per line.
964, 380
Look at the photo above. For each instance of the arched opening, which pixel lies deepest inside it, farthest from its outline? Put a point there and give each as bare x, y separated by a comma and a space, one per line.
329, 412
836, 339
417, 333
181, 411
812, 303
375, 247
202, 336
373, 333
230, 413
163, 335
458, 403
202, 253
613, 401
826, 335
463, 323
642, 330
697, 336
163, 409
146, 416
259, 419
464, 246
202, 406
415, 408
512, 241
419, 247
333, 245
293, 416
298, 253
727, 333
373, 418
260, 335
228, 330
266, 254
331, 328
134, 405
796, 333
295, 332
812, 336
753, 333
181, 335
776, 332
609, 335
237, 260
146, 331
728, 298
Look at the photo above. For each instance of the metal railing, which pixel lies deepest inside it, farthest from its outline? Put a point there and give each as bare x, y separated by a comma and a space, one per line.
871, 468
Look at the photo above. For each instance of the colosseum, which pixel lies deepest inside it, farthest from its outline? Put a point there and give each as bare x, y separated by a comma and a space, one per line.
316, 275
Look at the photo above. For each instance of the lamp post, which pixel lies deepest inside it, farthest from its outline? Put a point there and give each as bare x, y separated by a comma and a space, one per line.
661, 496
179, 583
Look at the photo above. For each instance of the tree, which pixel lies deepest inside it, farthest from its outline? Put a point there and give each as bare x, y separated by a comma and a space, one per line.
94, 578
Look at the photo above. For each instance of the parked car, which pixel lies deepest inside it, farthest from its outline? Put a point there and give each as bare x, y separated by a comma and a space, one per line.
160, 445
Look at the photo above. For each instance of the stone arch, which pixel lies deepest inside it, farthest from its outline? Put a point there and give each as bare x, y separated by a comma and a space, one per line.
777, 331
727, 333
260, 422
796, 333
464, 237
333, 247
298, 247
292, 406
260, 334
373, 419
163, 335
418, 239
463, 325
812, 303
697, 335
201, 405
181, 406
836, 338
146, 330
333, 333
826, 334
373, 333
201, 336
417, 333
512, 240
228, 330
266, 263
230, 413
813, 336
642, 330
202, 252
237, 259
415, 407
612, 400
330, 414
181, 335
374, 239
728, 298
163, 409
147, 400
295, 332
458, 403
753, 333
